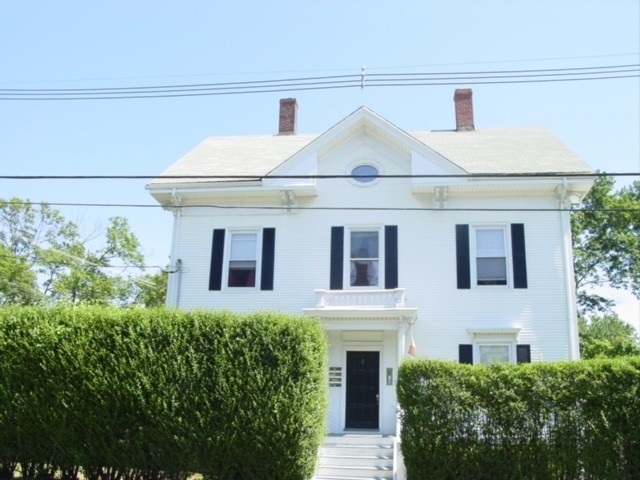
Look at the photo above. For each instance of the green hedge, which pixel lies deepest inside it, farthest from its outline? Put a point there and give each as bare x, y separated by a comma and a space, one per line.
156, 394
570, 420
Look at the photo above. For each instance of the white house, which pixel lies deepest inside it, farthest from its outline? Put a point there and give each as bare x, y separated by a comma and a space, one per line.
452, 244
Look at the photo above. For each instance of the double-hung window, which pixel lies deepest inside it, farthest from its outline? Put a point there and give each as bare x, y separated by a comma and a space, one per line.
242, 259
364, 262
364, 257
491, 256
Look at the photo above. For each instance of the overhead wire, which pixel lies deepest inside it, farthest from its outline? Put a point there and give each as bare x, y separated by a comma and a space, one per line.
359, 80
301, 208
485, 176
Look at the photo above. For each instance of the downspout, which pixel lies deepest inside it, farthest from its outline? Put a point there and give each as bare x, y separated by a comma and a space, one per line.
572, 315
173, 296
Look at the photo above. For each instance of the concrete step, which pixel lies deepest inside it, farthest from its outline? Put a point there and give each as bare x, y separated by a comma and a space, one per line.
355, 450
356, 457
351, 478
357, 460
343, 471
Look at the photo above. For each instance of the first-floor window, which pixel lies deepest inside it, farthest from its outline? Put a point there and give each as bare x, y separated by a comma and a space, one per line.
494, 354
488, 353
364, 259
243, 260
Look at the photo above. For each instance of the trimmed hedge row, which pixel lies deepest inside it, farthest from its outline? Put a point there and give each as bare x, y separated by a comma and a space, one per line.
151, 394
569, 420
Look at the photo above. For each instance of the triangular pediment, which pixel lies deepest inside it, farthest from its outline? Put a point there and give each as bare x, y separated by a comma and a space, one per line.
361, 130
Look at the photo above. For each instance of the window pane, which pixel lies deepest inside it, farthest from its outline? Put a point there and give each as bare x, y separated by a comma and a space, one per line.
243, 246
364, 273
494, 354
364, 173
491, 271
490, 242
242, 260
364, 245
242, 274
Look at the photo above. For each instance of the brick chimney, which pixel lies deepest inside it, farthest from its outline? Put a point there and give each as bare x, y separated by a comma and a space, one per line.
288, 116
464, 109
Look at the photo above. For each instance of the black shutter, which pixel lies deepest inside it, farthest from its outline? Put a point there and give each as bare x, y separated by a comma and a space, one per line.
390, 257
465, 354
518, 255
463, 267
217, 257
268, 257
523, 353
337, 258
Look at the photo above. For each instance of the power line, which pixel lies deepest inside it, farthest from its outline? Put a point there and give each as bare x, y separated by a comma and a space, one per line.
345, 69
342, 208
361, 80
485, 176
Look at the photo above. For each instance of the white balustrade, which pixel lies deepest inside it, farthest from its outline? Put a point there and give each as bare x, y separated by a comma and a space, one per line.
360, 298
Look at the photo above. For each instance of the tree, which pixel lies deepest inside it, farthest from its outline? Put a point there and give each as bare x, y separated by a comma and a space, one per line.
607, 336
17, 280
152, 289
44, 258
606, 243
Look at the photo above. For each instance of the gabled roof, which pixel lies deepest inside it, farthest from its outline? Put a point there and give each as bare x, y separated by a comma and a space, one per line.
505, 150
254, 155
497, 150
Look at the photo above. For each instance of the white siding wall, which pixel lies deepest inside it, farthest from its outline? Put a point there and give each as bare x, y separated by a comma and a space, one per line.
426, 251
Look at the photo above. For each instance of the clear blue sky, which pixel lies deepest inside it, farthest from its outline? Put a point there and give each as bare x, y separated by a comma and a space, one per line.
80, 44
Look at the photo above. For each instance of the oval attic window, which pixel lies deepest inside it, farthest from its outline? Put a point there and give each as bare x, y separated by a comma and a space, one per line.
364, 173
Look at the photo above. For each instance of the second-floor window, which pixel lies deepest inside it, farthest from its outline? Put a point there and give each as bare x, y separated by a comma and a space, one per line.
243, 260
491, 256
364, 257
364, 263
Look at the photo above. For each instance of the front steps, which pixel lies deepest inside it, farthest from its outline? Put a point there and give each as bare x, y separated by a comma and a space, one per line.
356, 457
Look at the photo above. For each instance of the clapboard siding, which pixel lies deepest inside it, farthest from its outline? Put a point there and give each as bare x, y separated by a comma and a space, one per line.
426, 256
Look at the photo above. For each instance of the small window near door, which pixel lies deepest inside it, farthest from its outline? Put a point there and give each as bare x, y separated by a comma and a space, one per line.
364, 259
494, 354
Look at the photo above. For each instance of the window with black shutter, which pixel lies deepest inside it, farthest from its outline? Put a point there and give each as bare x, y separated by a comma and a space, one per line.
242, 259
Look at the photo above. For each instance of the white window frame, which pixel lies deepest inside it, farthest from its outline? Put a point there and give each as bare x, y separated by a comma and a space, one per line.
347, 257
510, 351
227, 259
494, 337
473, 247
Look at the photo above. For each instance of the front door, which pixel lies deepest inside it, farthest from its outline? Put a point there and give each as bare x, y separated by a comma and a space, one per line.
363, 390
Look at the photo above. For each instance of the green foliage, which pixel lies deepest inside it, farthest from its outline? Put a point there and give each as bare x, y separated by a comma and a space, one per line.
44, 259
17, 280
607, 336
152, 289
606, 243
158, 394
571, 420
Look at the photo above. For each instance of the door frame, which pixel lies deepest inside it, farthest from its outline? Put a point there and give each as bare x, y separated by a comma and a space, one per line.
360, 347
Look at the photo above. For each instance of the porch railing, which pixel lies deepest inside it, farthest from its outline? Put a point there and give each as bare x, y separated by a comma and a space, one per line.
360, 298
